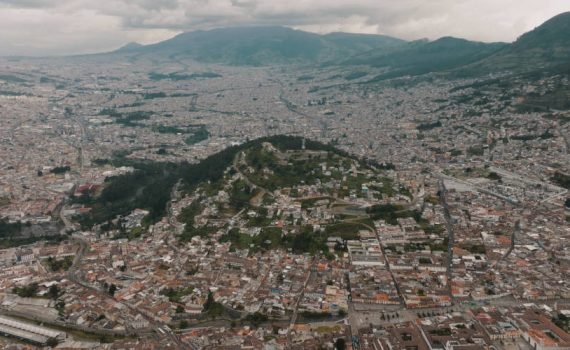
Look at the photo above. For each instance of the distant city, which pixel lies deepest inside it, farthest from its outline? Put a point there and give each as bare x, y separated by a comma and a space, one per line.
269, 188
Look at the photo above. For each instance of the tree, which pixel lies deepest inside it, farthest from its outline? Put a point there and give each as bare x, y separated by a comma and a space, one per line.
567, 203
340, 344
179, 309
256, 319
52, 342
112, 289
27, 291
183, 324
53, 292
209, 301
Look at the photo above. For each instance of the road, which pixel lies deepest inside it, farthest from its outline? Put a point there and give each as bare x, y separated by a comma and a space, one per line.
450, 234
296, 309
239, 159
512, 247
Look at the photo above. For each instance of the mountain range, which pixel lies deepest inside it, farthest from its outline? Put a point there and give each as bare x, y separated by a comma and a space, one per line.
545, 47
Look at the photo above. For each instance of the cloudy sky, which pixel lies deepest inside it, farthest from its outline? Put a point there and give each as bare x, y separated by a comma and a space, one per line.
54, 27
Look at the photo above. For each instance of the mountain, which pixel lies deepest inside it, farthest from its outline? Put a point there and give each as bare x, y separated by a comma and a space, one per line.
545, 47
257, 46
421, 57
130, 47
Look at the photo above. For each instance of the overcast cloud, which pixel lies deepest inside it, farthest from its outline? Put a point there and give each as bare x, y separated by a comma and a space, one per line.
53, 27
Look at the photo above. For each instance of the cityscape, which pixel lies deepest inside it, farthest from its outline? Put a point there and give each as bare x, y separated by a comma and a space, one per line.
153, 201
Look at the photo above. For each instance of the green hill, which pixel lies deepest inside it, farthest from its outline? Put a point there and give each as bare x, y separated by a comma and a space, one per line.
258, 46
149, 187
545, 47
421, 57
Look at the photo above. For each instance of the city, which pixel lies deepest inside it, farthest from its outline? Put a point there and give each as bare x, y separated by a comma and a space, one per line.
150, 203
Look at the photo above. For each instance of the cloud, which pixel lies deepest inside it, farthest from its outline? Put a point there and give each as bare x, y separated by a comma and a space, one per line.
79, 26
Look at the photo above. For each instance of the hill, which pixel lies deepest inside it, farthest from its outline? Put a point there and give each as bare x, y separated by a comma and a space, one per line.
149, 187
245, 190
545, 47
258, 46
421, 57
130, 47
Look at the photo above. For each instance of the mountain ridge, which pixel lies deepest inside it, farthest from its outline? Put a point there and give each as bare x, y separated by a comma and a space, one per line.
264, 45
544, 47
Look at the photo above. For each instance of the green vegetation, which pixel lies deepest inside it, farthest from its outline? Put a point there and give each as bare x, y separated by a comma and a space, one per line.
213, 308
432, 229
9, 229
12, 93
473, 248
27, 291
148, 188
494, 176
186, 216
390, 213
315, 315
476, 151
562, 180
11, 78
54, 292
153, 95
175, 295
307, 242
150, 185
528, 137
112, 289
432, 200
131, 234
421, 57
255, 319
429, 126
455, 152
273, 170
269, 238
162, 129
131, 119
60, 170
270, 46
433, 245
562, 321
182, 76
198, 136
10, 236
443, 332
345, 230
56, 265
